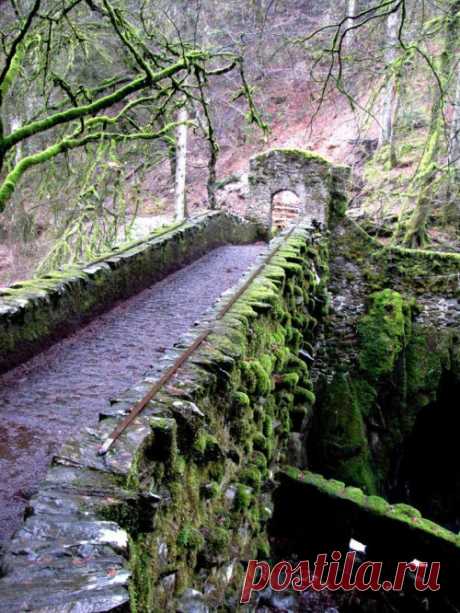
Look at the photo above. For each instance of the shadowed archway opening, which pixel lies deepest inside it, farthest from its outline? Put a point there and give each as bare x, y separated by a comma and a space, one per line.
428, 473
286, 208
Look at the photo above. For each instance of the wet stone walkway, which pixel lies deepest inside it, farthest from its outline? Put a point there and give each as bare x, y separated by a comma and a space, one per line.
62, 390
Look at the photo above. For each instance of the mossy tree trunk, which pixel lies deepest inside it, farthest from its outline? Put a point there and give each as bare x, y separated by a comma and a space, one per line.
452, 213
454, 145
416, 235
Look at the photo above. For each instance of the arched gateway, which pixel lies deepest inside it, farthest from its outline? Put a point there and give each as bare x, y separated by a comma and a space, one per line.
315, 185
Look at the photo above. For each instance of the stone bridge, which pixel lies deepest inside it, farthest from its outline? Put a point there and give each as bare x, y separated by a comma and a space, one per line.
166, 518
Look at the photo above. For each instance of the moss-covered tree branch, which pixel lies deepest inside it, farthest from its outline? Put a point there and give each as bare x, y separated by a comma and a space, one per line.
10, 182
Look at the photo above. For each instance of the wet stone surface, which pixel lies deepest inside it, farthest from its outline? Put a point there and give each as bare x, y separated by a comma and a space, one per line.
63, 390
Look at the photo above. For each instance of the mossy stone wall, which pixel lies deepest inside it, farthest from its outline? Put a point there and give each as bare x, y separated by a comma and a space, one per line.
391, 532
185, 494
252, 390
35, 313
386, 355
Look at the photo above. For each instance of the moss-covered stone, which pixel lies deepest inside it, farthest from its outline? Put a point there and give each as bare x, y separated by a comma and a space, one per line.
343, 446
206, 447
190, 538
384, 331
256, 377
251, 475
243, 497
37, 312
372, 516
202, 467
217, 541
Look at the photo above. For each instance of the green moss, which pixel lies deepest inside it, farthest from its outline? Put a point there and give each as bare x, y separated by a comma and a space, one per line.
216, 471
241, 399
404, 510
426, 358
377, 504
366, 395
338, 208
240, 404
292, 268
383, 332
295, 154
267, 426
251, 476
305, 395
260, 442
256, 377
310, 478
356, 494
242, 429
206, 446
299, 366
218, 541
180, 465
190, 538
263, 550
266, 362
210, 491
243, 497
343, 446
260, 461
296, 339
290, 380
282, 355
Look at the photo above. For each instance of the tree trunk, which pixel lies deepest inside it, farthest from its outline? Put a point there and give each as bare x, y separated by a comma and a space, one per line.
454, 148
452, 213
394, 117
15, 125
212, 176
352, 11
181, 166
416, 230
390, 103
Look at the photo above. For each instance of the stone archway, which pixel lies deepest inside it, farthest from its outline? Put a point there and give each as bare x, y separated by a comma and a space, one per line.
286, 208
313, 179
